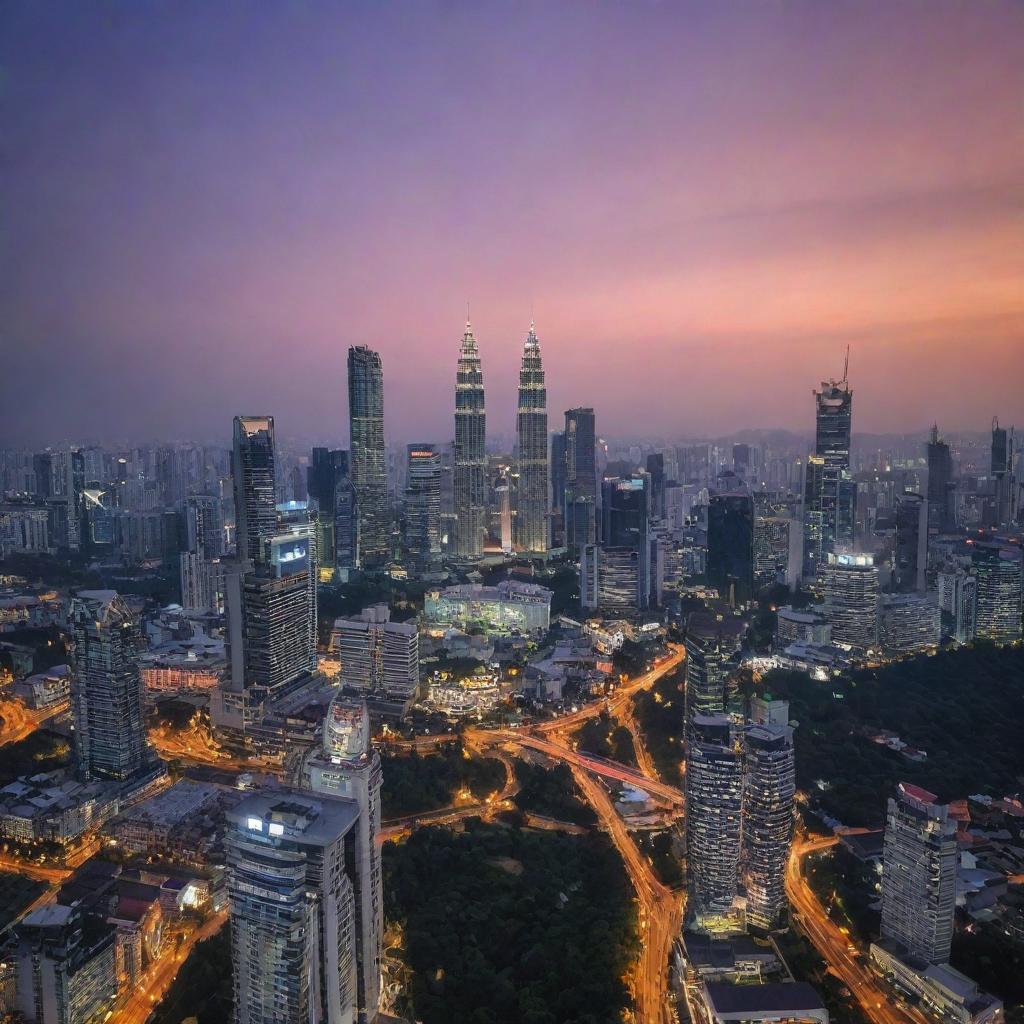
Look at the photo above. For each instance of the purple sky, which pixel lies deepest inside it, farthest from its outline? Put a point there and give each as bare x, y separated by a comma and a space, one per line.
204, 204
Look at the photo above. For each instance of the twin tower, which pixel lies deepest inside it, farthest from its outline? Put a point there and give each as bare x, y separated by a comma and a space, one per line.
531, 524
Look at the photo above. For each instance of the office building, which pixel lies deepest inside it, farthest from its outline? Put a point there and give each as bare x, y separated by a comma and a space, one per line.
64, 966
655, 466
508, 607
378, 656
801, 626
204, 525
941, 485
998, 575
326, 473
919, 874
202, 582
714, 814
910, 558
828, 489
557, 489
908, 624
106, 693
292, 866
531, 524
368, 467
470, 488
624, 564
423, 502
958, 596
768, 815
271, 634
346, 528
849, 584
346, 765
252, 469
581, 490
712, 644
730, 567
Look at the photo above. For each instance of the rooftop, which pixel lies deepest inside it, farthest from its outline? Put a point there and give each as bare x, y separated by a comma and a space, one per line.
776, 997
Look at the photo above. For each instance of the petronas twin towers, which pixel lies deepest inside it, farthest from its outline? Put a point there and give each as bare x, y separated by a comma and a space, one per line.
470, 481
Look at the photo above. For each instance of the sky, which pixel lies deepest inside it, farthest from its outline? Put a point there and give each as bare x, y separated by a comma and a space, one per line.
701, 205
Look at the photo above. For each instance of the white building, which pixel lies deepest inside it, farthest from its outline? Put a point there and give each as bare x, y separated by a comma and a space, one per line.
908, 624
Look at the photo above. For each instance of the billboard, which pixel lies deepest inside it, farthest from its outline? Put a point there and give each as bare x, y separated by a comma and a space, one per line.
290, 555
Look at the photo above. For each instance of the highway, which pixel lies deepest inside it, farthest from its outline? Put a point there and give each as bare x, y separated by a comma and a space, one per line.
661, 909
834, 946
135, 1005
20, 721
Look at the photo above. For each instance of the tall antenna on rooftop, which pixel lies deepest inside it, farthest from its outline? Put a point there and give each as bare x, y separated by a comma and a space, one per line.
846, 366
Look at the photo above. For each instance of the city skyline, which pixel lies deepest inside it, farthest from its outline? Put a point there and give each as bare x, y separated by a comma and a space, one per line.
739, 193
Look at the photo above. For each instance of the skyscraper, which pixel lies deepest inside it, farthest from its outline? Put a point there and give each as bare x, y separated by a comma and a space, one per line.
714, 813
346, 765
731, 547
656, 471
346, 528
828, 489
423, 502
768, 800
110, 731
910, 559
292, 877
617, 572
850, 586
367, 457
531, 533
998, 572
711, 645
325, 473
941, 486
1002, 470
581, 492
919, 862
557, 489
271, 634
252, 470
204, 526
470, 450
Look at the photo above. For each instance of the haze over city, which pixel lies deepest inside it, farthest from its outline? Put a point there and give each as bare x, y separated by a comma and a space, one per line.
700, 206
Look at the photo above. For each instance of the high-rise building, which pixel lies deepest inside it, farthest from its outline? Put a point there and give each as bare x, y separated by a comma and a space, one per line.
202, 582
941, 485
346, 765
64, 966
958, 595
656, 471
829, 492
768, 801
908, 624
367, 457
1002, 470
712, 642
618, 571
327, 471
470, 456
292, 877
581, 490
919, 862
378, 657
204, 525
531, 530
850, 587
557, 489
910, 559
998, 574
106, 693
252, 470
714, 815
346, 528
423, 502
271, 634
731, 547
